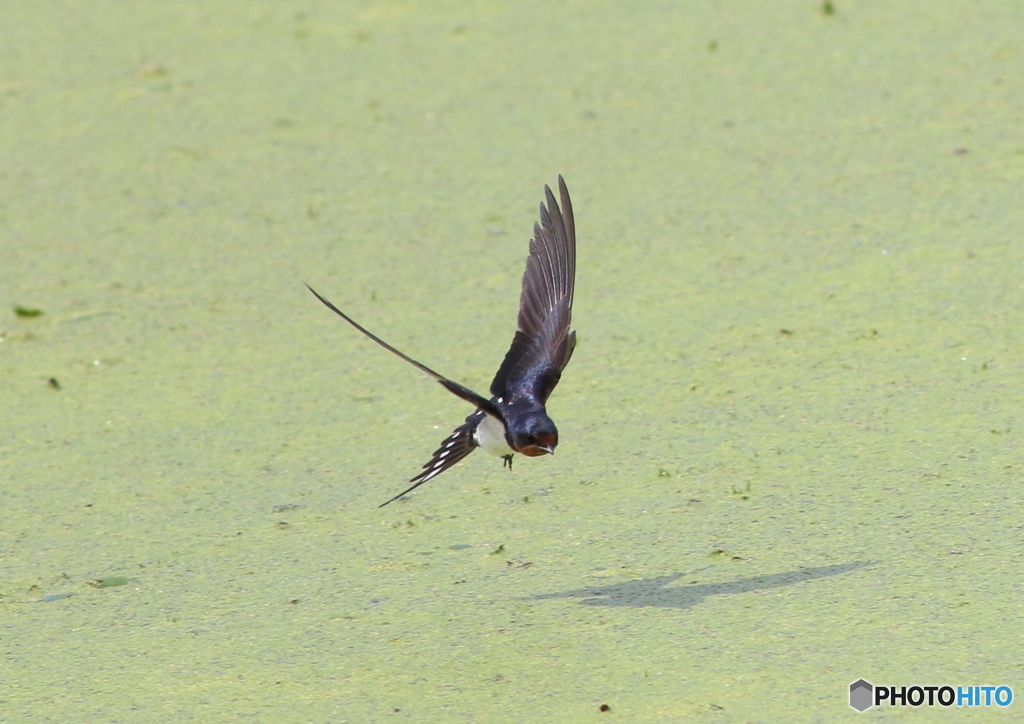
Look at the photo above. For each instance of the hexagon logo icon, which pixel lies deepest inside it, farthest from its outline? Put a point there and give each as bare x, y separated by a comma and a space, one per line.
861, 695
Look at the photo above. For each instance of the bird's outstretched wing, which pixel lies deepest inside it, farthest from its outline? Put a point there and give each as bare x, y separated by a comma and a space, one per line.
543, 343
455, 447
481, 402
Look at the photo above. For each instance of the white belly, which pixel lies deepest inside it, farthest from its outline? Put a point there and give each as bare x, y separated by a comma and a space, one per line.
490, 435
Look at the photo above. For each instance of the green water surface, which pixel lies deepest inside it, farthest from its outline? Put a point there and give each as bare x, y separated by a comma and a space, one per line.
790, 432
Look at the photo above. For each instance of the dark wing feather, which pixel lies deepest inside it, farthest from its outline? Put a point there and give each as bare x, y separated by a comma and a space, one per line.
455, 447
481, 402
543, 343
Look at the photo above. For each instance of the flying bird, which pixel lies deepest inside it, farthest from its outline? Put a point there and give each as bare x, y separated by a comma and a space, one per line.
513, 420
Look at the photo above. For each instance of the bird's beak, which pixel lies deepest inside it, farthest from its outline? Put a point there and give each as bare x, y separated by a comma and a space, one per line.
534, 451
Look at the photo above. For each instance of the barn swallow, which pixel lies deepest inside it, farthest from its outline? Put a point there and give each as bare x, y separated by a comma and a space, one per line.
514, 420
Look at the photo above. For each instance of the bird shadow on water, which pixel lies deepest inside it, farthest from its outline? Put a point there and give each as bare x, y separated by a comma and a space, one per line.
646, 592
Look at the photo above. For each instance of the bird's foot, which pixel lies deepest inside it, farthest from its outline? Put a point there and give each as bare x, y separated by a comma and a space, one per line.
508, 461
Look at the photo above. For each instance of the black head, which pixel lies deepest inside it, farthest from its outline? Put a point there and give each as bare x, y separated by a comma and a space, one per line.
534, 434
